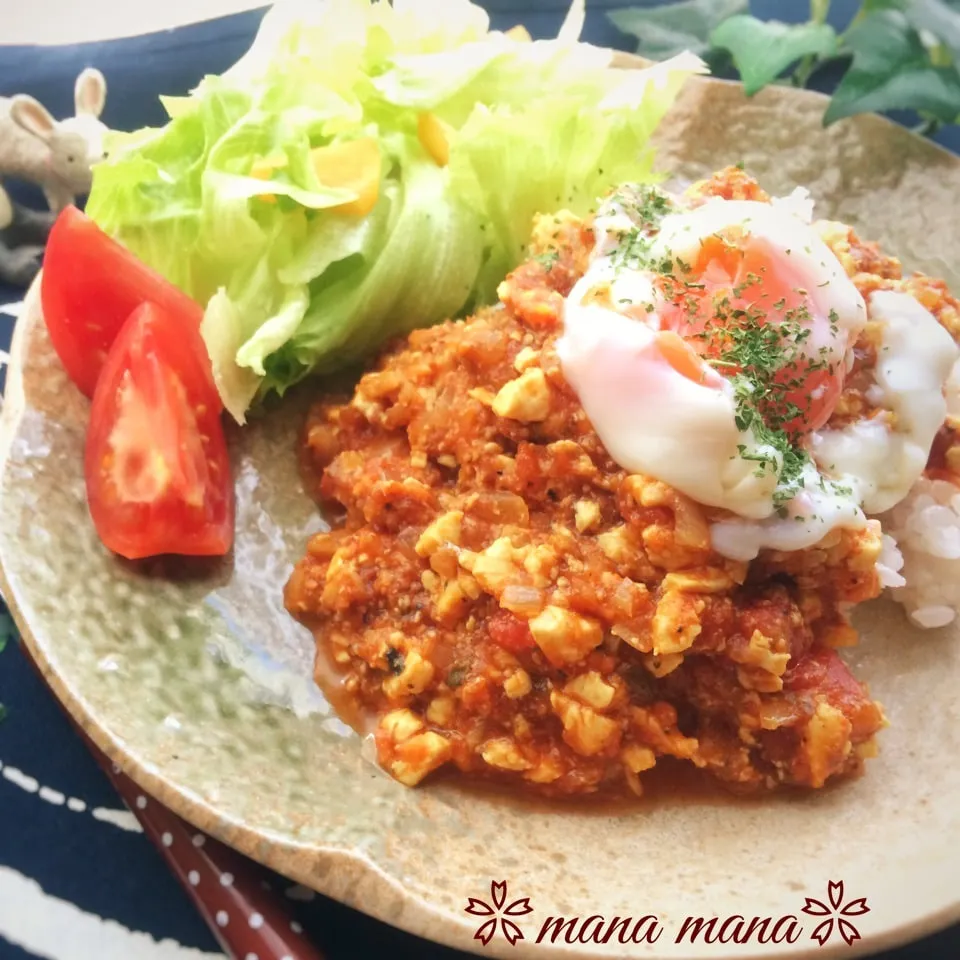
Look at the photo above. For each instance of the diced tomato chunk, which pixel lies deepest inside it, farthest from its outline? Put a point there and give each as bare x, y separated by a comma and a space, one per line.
89, 287
822, 672
510, 632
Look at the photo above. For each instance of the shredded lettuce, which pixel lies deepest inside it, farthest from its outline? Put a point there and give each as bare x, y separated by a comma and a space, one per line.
228, 201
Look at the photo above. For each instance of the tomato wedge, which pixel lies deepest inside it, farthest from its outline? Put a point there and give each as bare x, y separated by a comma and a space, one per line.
157, 468
90, 285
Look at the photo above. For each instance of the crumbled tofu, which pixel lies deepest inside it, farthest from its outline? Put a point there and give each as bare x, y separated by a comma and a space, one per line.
637, 758
525, 358
521, 727
517, 684
548, 228
565, 636
691, 529
468, 585
750, 678
676, 624
578, 460
768, 654
702, 580
866, 548
452, 603
369, 408
763, 662
540, 563
586, 515
585, 730
827, 742
503, 753
592, 689
527, 398
416, 488
412, 680
445, 529
660, 664
418, 756
441, 711
497, 566
481, 395
400, 725
617, 545
445, 562
546, 771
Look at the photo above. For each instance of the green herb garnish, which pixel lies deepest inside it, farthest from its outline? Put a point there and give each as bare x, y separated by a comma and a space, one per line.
645, 206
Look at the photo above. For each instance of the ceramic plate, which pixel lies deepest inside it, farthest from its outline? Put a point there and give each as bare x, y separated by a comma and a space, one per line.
197, 683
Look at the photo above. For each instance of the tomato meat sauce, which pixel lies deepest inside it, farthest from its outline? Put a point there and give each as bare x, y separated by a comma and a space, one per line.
502, 598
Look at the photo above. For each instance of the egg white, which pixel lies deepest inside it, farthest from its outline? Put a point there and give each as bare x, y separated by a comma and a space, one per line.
656, 421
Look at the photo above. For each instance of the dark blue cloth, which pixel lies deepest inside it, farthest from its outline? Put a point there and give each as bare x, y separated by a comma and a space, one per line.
99, 868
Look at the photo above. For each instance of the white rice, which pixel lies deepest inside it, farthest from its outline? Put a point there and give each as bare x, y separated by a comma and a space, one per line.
890, 563
920, 561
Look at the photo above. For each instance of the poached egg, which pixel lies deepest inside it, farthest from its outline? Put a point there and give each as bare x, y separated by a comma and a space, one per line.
663, 339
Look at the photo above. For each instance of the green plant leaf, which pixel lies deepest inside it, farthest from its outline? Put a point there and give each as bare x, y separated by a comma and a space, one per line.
940, 17
8, 631
665, 31
763, 49
891, 70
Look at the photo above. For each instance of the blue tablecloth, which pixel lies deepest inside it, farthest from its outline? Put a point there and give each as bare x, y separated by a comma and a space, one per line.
77, 879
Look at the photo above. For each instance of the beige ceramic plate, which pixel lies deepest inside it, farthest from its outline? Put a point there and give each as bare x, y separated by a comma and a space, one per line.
188, 682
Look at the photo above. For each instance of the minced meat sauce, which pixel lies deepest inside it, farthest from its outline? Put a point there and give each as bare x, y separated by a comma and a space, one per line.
501, 597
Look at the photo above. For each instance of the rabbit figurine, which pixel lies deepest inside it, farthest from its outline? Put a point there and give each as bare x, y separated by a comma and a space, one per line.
57, 156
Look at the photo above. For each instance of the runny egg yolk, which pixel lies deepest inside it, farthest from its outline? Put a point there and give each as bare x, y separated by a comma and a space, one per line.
707, 344
737, 302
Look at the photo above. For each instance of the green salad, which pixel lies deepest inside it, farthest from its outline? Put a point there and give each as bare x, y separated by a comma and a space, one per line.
368, 168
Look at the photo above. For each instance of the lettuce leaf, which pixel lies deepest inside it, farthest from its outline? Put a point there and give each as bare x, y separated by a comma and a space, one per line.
225, 200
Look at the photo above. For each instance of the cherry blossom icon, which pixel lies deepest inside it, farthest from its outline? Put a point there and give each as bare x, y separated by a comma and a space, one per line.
835, 912
497, 912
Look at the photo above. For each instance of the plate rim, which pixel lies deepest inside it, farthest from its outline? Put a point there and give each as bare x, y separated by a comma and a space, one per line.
366, 887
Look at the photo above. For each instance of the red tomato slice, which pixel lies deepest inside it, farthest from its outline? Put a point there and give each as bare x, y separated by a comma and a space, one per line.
157, 468
90, 285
